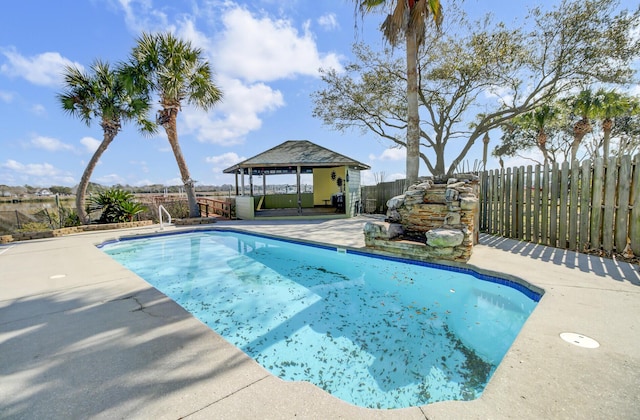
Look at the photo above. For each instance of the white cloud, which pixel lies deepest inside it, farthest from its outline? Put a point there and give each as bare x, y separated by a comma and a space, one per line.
50, 144
328, 21
6, 96
143, 182
43, 69
142, 16
38, 109
111, 179
528, 157
90, 144
394, 176
392, 153
238, 113
264, 49
249, 51
187, 30
224, 160
174, 181
36, 173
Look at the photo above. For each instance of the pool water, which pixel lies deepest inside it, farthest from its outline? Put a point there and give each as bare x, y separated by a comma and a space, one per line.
375, 332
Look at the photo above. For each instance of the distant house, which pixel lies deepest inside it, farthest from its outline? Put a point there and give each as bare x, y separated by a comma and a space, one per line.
44, 193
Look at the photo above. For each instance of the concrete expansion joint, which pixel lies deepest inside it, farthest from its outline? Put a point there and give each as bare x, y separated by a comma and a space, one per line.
423, 413
225, 397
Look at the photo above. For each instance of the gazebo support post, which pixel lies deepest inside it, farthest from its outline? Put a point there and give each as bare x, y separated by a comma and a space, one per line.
298, 188
264, 185
236, 174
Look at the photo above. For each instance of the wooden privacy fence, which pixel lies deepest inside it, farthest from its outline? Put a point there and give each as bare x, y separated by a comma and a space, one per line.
593, 205
375, 197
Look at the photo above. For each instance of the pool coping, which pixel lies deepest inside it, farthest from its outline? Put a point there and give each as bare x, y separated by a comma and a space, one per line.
190, 372
532, 291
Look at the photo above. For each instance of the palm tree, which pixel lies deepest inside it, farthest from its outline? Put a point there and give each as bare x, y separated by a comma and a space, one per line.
408, 20
175, 70
584, 106
541, 118
106, 95
533, 128
611, 106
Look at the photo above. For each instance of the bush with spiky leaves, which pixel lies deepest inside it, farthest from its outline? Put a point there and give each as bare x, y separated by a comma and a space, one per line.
116, 206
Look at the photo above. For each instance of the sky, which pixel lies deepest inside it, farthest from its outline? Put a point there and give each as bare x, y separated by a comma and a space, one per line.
266, 56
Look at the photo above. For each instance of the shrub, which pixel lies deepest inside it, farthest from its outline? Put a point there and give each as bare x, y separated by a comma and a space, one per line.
116, 206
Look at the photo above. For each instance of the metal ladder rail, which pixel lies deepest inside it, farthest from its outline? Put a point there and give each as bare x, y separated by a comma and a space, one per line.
160, 210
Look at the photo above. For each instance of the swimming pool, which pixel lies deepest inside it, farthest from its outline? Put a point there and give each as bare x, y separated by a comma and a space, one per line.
375, 332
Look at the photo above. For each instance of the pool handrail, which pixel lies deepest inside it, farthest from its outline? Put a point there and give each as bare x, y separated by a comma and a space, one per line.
160, 210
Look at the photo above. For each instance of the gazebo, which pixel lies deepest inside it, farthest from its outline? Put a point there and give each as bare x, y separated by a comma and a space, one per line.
336, 181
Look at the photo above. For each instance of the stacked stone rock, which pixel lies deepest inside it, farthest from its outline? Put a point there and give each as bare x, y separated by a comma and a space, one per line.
429, 221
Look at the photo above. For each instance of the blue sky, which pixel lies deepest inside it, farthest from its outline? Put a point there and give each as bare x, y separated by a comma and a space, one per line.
265, 54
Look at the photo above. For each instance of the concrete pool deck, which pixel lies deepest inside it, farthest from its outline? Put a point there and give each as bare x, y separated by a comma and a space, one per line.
82, 337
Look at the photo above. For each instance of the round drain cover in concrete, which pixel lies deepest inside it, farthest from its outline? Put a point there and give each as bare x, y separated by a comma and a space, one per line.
580, 340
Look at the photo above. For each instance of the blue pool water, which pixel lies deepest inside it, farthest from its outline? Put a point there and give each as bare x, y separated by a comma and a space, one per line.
375, 332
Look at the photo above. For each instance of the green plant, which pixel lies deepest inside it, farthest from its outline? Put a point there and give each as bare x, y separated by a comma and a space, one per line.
69, 217
116, 205
131, 208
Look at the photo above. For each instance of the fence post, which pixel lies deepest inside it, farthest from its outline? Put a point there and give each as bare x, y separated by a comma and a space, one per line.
544, 204
622, 215
497, 212
574, 204
585, 205
564, 198
536, 205
553, 208
608, 217
634, 200
596, 202
527, 213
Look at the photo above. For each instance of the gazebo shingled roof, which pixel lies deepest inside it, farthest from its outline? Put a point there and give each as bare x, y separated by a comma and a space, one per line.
294, 153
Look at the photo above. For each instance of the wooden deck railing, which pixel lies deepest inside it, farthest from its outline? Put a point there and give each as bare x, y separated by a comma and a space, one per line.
210, 206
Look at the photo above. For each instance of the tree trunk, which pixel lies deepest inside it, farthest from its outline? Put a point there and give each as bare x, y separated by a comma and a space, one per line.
172, 136
580, 129
607, 126
542, 145
413, 116
81, 193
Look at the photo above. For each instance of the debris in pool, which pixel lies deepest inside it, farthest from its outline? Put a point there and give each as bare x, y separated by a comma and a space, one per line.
452, 290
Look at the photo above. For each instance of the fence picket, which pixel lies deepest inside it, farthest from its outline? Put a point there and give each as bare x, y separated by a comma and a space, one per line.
536, 205
608, 217
581, 206
527, 213
596, 202
622, 211
544, 204
519, 204
574, 205
564, 198
553, 205
585, 205
634, 200
496, 202
507, 193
